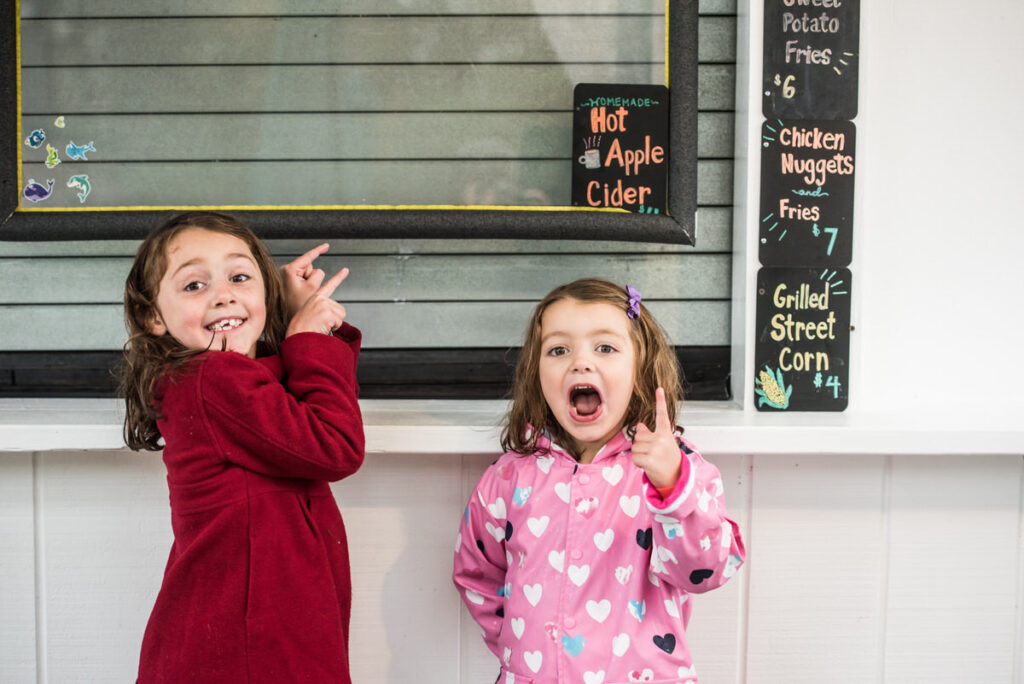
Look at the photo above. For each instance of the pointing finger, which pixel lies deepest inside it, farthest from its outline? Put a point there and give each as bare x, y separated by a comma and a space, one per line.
662, 422
306, 260
328, 288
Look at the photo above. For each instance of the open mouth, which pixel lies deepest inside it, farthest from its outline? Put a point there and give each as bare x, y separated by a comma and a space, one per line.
225, 324
585, 402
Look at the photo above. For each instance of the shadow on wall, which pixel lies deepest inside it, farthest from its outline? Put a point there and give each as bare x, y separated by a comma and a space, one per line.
402, 516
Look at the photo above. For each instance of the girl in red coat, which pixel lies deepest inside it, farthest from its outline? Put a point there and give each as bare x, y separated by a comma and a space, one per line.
248, 377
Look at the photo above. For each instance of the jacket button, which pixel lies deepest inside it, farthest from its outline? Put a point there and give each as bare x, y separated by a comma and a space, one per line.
584, 479
569, 623
576, 554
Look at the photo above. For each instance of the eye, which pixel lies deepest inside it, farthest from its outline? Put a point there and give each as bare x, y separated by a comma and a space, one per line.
240, 278
193, 286
606, 349
557, 351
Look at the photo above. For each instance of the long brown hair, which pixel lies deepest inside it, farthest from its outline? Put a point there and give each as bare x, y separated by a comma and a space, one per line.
148, 356
656, 366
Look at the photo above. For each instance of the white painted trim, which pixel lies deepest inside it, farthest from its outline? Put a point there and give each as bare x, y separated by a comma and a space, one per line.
746, 196
468, 427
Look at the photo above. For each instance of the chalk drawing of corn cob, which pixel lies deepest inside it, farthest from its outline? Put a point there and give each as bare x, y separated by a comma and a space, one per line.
772, 389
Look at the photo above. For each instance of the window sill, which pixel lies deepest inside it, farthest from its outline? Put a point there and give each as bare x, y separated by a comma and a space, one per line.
469, 427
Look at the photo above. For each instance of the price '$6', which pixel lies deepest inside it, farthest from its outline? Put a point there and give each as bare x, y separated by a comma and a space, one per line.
788, 91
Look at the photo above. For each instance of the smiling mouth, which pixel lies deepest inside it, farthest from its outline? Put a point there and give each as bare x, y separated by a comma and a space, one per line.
225, 324
585, 403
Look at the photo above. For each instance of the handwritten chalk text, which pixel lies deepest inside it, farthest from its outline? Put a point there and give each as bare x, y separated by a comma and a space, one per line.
809, 24
813, 3
620, 102
812, 139
816, 171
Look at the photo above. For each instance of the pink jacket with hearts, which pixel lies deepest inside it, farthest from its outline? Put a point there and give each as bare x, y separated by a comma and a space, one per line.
583, 573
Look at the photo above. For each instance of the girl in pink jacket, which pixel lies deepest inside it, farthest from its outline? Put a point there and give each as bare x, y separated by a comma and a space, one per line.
581, 545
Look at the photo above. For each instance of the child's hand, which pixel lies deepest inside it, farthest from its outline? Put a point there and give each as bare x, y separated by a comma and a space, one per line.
301, 280
320, 313
657, 452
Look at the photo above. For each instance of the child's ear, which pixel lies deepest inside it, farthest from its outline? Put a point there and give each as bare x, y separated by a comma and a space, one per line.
156, 325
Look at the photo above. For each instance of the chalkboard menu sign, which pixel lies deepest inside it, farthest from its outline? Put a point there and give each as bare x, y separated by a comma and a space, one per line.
810, 59
620, 147
807, 171
802, 346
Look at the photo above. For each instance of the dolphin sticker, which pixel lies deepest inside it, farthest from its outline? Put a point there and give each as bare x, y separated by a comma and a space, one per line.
52, 156
35, 138
82, 183
78, 151
34, 192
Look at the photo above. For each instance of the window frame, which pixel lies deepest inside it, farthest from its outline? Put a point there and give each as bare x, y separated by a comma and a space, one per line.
677, 226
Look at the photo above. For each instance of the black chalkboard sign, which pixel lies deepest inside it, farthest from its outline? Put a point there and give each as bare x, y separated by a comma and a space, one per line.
810, 59
802, 346
807, 171
620, 147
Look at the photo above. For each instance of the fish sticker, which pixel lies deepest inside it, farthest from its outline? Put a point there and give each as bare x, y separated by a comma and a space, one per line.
52, 156
35, 138
59, 122
78, 151
35, 192
82, 183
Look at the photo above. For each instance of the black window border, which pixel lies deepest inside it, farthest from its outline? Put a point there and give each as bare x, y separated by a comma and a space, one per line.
445, 373
678, 226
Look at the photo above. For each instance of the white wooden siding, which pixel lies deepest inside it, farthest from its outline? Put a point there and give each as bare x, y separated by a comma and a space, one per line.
867, 569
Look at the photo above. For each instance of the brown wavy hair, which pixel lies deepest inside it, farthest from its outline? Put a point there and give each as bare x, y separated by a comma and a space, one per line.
656, 366
147, 356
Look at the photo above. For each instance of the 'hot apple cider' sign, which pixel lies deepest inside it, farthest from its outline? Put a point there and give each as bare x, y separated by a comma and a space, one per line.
620, 147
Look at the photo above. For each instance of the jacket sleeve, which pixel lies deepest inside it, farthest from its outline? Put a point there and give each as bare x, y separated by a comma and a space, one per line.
480, 560
307, 425
696, 547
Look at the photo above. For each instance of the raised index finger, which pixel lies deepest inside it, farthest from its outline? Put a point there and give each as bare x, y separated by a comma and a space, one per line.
662, 422
306, 260
328, 288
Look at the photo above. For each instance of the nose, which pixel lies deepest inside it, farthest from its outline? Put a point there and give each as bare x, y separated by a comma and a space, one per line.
582, 361
222, 294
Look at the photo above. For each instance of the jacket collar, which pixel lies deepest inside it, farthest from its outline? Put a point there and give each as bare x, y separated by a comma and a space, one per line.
616, 445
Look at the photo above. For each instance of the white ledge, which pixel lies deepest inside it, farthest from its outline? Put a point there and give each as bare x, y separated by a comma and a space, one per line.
469, 427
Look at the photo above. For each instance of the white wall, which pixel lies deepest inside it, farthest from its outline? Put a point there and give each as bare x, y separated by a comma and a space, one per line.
939, 239
861, 569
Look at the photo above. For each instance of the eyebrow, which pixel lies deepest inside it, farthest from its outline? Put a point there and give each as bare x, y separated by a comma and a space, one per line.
193, 262
594, 333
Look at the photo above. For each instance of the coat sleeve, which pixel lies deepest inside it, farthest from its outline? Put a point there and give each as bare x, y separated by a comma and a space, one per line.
480, 560
696, 547
307, 425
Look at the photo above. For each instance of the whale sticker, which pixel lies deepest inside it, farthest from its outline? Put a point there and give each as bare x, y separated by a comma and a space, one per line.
35, 192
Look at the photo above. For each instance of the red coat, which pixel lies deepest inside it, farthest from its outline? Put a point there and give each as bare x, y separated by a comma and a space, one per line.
257, 587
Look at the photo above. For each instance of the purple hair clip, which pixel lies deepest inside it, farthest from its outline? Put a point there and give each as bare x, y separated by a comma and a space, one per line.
633, 305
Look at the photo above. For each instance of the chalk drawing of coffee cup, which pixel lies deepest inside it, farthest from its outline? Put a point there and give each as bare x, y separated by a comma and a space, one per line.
591, 159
